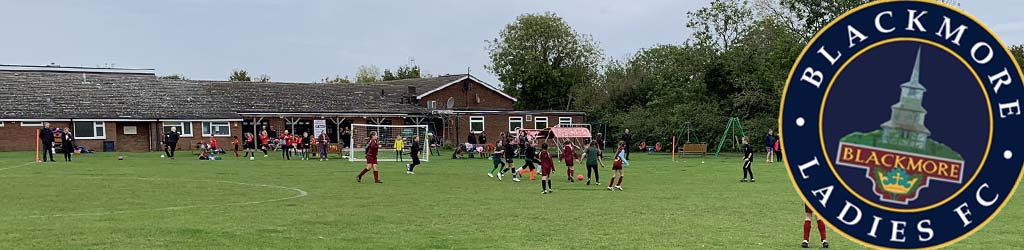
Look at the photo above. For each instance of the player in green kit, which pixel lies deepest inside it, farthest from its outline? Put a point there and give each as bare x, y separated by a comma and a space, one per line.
592, 154
496, 157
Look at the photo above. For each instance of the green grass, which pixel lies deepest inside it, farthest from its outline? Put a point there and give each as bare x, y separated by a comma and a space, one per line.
146, 202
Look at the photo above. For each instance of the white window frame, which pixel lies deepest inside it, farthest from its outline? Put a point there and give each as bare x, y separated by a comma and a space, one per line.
540, 119
432, 105
101, 126
181, 125
475, 119
529, 118
31, 124
520, 120
562, 120
209, 125
1, 124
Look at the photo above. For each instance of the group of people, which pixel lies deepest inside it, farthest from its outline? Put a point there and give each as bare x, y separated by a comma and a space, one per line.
47, 137
504, 154
300, 146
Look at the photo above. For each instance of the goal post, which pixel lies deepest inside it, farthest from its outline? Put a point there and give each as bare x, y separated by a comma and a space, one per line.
387, 137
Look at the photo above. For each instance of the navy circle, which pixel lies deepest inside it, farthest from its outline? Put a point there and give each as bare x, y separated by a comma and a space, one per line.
802, 100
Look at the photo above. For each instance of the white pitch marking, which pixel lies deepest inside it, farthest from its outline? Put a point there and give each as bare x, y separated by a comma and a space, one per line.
18, 166
299, 194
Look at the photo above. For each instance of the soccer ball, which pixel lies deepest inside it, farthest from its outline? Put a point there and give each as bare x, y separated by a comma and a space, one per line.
120, 158
579, 177
162, 156
252, 158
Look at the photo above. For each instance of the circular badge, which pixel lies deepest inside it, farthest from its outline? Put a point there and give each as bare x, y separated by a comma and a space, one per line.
902, 124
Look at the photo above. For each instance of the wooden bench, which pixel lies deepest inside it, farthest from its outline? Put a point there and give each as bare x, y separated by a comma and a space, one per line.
701, 149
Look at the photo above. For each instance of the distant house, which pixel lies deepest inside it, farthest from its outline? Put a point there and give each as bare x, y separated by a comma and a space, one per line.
131, 108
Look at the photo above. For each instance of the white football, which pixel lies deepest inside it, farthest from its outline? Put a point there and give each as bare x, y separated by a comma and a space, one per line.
252, 158
162, 156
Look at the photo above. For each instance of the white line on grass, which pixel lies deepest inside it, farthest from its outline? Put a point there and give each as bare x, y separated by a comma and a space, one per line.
299, 193
18, 166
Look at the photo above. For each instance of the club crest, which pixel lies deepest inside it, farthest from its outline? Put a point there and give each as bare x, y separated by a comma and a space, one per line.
899, 124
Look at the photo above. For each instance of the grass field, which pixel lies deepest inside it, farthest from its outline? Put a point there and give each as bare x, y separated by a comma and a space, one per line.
146, 202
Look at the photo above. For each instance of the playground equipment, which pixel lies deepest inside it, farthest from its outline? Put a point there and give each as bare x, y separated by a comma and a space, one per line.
733, 126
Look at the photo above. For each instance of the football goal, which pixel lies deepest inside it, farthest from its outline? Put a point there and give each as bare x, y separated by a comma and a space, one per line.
389, 136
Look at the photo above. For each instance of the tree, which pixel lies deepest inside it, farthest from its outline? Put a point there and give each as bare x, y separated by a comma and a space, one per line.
403, 72
1018, 53
539, 58
336, 80
719, 26
263, 78
240, 75
174, 77
368, 74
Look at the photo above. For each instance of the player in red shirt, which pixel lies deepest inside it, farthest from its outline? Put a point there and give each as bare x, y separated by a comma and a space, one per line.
264, 143
213, 144
569, 157
249, 145
286, 150
807, 228
235, 142
371, 159
617, 168
547, 165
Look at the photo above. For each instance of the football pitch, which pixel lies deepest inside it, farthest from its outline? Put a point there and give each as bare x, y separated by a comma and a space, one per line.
145, 202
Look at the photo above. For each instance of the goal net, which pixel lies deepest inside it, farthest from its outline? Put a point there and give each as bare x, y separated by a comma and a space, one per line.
387, 137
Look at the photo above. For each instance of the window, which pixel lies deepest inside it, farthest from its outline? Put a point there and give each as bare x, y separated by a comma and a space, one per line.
476, 124
1, 124
540, 122
31, 124
432, 105
217, 129
529, 117
184, 128
90, 130
514, 123
565, 121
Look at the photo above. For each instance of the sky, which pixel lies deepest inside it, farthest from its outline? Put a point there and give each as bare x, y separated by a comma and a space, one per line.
305, 41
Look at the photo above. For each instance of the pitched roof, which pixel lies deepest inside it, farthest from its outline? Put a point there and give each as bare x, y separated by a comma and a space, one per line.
77, 95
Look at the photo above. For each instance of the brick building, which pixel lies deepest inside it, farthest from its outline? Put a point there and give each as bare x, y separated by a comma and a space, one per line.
131, 108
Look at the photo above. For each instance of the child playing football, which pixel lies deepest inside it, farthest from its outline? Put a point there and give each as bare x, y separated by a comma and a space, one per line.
807, 228
305, 141
371, 159
748, 160
620, 159
546, 167
414, 153
569, 157
592, 155
496, 157
531, 159
286, 152
510, 153
235, 143
249, 145
264, 143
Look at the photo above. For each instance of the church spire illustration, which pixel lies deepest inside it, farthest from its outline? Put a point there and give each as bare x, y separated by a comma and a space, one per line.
906, 123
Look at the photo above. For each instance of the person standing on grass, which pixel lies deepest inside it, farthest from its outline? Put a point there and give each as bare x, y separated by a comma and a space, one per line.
307, 142
748, 160
235, 143
778, 150
46, 139
547, 165
482, 140
592, 155
807, 228
286, 152
414, 153
249, 146
769, 147
346, 138
67, 144
569, 156
620, 160
264, 143
600, 147
628, 139
399, 146
324, 142
371, 159
531, 159
171, 142
496, 157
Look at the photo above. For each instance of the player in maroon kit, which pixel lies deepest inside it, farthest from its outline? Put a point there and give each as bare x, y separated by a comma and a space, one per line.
371, 159
807, 228
569, 157
617, 167
546, 167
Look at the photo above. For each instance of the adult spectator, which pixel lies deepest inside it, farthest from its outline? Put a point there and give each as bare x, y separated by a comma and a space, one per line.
171, 142
46, 137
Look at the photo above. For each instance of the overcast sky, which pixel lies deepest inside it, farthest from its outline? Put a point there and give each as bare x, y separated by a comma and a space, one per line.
304, 41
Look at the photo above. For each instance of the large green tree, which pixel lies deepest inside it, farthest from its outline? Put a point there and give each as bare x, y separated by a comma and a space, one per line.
402, 72
368, 73
240, 75
539, 58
